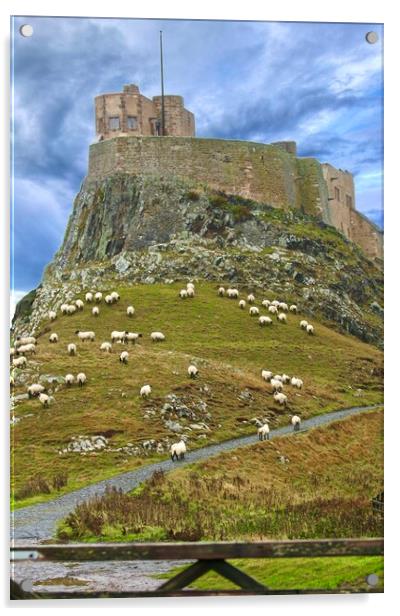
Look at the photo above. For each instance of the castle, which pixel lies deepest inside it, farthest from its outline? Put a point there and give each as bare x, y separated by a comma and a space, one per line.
128, 140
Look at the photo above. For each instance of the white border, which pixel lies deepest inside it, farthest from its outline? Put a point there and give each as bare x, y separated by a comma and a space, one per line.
382, 11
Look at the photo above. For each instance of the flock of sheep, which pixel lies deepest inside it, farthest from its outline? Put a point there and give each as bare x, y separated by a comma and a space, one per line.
25, 346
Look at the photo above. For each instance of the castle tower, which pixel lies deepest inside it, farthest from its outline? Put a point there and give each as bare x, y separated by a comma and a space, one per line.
131, 113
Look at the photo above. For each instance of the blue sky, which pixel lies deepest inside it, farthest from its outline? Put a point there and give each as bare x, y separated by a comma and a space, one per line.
318, 84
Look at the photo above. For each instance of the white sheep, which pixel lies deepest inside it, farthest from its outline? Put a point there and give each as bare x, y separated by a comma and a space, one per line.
242, 304
280, 398
282, 317
254, 311
52, 315
275, 303
263, 432
303, 324
106, 346
71, 348
95, 311
108, 299
296, 421
132, 337
157, 336
190, 285
71, 309
35, 389
272, 309
278, 377
293, 308
285, 378
64, 308
193, 371
284, 307
69, 379
276, 385
250, 298
26, 349
266, 375
83, 336
19, 362
221, 291
178, 450
130, 311
232, 293
266, 303
98, 296
310, 329
190, 292
89, 297
123, 358
115, 296
263, 320
183, 293
79, 304
21, 340
81, 379
118, 336
145, 391
53, 337
45, 399
296, 382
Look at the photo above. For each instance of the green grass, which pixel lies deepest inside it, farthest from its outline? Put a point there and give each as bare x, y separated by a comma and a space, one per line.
230, 350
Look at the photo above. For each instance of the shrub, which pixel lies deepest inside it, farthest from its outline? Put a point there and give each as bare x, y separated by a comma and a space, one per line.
35, 485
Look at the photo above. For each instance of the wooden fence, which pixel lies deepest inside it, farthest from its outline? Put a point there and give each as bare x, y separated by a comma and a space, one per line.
207, 556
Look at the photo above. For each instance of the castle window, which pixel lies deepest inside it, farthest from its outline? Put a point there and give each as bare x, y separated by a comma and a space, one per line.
113, 123
337, 193
349, 201
132, 122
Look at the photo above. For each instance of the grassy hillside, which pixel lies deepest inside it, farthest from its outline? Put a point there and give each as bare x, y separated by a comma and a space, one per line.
227, 345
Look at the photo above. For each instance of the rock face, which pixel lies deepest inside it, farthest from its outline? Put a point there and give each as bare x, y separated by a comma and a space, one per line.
153, 229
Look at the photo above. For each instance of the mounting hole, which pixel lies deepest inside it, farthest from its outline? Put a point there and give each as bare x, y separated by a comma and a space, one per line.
26, 30
372, 579
27, 585
371, 37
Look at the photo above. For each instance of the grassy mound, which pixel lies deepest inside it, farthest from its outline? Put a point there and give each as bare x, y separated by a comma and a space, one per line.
227, 345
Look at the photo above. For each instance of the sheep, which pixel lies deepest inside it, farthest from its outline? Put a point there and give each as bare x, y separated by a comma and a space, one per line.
123, 358
303, 324
296, 382
52, 315
263, 433
95, 311
275, 303
280, 398
35, 389
190, 285
266, 303
89, 297
242, 304
266, 375
45, 399
254, 311
272, 309
130, 311
79, 304
106, 346
108, 299
64, 308
98, 296
285, 378
81, 379
53, 337
282, 317
132, 337
276, 385
190, 292
193, 371
19, 362
250, 298
183, 293
71, 348
178, 450
71, 309
284, 307
69, 379
115, 296
221, 291
232, 293
145, 391
278, 377
118, 336
263, 320
310, 329
21, 340
25, 349
83, 336
296, 421
157, 336
293, 308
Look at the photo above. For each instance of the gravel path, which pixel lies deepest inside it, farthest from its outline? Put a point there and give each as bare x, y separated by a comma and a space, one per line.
35, 523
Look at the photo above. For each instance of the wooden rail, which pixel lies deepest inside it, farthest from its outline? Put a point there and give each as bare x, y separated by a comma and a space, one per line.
208, 556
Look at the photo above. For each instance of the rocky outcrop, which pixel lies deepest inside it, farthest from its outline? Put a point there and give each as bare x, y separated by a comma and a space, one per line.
157, 230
